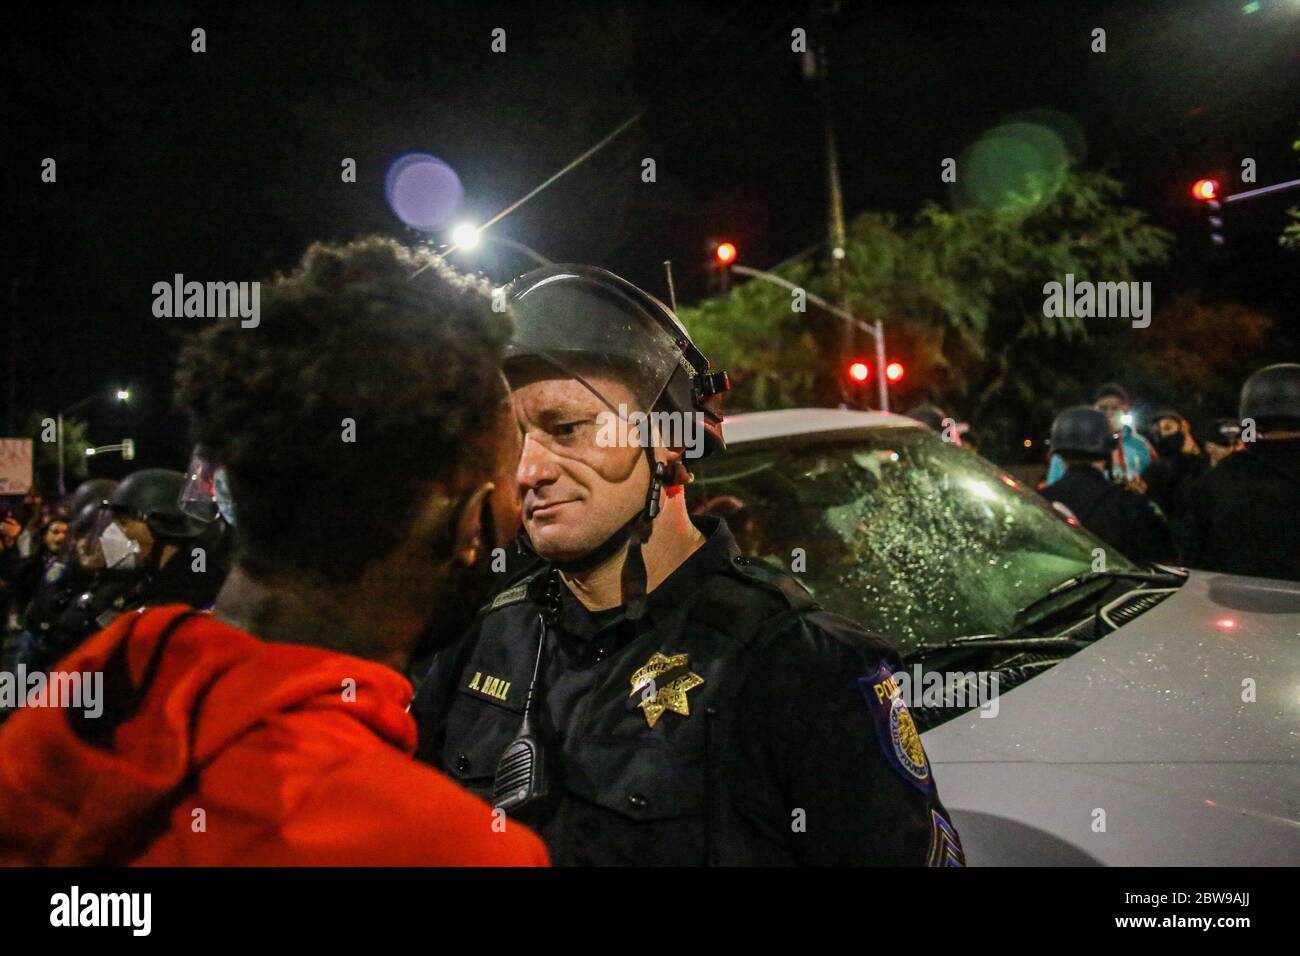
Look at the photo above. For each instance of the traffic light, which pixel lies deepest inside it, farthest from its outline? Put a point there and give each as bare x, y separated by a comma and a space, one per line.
856, 375
724, 254
1207, 191
894, 371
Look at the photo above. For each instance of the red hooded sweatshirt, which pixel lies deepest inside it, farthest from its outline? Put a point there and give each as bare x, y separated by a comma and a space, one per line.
215, 748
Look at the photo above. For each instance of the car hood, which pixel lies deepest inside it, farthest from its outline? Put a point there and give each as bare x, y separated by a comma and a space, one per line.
1190, 712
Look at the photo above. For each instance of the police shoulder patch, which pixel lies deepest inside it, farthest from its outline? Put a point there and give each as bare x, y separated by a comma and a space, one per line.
895, 729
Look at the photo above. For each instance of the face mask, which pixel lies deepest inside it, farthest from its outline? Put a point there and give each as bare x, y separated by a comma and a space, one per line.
119, 550
221, 491
1169, 445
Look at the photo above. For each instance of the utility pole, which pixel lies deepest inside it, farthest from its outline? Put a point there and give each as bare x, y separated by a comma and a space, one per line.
835, 197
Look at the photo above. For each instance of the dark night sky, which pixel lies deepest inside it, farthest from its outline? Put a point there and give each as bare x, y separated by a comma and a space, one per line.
224, 165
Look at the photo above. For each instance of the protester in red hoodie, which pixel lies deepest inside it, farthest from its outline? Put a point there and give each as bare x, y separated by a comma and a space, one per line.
362, 428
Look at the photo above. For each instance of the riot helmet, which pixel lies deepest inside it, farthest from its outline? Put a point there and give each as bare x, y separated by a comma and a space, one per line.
1271, 397
592, 325
150, 496
1083, 431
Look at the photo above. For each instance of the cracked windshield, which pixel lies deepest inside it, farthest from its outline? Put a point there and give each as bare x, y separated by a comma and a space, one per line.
964, 545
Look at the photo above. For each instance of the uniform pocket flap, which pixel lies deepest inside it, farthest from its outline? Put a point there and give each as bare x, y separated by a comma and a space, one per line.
639, 778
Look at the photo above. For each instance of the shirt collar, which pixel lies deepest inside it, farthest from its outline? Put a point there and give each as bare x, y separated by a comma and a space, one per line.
673, 592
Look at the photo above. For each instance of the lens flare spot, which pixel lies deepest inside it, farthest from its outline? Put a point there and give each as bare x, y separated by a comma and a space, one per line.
422, 190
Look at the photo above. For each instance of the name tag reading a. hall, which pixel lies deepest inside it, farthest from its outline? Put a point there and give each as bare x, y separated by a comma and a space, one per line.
489, 686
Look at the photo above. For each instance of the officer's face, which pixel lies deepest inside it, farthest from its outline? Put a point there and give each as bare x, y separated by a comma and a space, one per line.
90, 558
138, 531
577, 486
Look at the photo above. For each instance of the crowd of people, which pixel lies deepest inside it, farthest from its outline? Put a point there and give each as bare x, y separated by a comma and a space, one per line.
68, 570
1221, 496
262, 619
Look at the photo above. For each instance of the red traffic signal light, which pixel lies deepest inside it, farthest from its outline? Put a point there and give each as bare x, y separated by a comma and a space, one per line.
1206, 190
725, 253
859, 371
894, 371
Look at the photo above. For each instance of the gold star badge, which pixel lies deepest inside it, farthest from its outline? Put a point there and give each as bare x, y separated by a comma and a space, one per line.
662, 684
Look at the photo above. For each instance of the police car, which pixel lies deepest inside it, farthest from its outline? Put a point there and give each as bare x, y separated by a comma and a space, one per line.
1077, 709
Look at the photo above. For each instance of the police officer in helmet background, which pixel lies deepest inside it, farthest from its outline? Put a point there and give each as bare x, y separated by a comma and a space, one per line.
645, 695
1084, 439
140, 552
1244, 514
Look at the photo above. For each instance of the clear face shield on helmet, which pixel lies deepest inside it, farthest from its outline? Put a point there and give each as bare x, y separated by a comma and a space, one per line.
206, 494
605, 341
82, 534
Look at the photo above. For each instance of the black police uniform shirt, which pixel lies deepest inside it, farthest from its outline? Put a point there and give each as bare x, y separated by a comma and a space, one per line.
735, 723
1243, 515
1168, 477
1123, 519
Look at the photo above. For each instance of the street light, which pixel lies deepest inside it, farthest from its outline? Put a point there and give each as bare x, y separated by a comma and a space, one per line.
126, 446
465, 236
122, 395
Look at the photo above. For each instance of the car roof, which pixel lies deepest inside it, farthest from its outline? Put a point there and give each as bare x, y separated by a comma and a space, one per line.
760, 426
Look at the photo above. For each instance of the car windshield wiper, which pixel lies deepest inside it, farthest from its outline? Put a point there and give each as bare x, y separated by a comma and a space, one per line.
1015, 638
995, 641
1032, 611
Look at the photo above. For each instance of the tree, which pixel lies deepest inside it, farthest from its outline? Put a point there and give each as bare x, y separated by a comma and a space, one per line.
45, 455
961, 295
771, 351
1199, 354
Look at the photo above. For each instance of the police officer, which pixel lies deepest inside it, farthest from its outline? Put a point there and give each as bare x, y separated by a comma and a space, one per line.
1244, 514
1220, 437
1132, 454
645, 695
1084, 439
94, 490
142, 554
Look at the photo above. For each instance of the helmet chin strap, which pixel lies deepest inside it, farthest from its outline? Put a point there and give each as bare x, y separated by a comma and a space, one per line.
635, 532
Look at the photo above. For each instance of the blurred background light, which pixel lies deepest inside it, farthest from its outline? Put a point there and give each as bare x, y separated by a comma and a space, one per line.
423, 191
